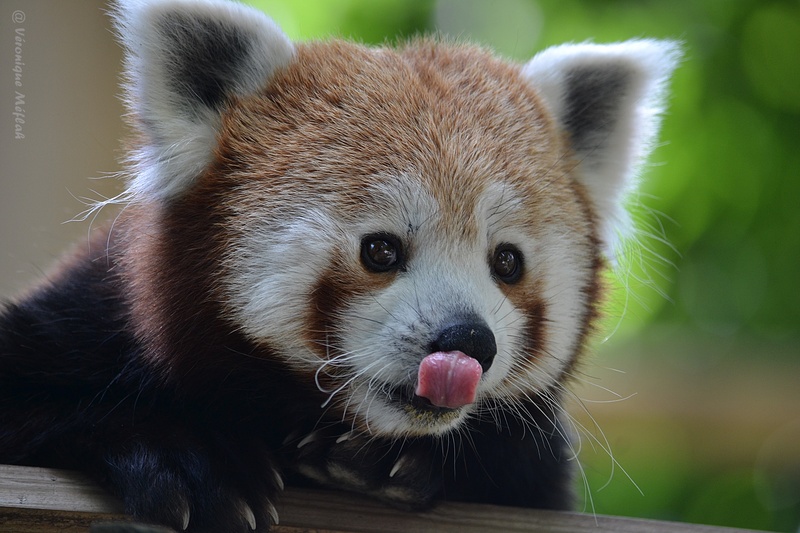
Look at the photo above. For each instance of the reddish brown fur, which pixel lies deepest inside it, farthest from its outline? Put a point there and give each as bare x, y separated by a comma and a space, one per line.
342, 117
349, 114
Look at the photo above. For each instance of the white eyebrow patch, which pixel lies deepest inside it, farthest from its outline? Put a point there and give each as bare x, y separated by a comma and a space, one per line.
402, 204
501, 206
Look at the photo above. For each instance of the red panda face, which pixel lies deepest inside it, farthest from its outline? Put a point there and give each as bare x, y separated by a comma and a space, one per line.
416, 232
407, 233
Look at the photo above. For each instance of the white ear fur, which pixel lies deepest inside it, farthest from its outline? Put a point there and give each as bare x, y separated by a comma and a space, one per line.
183, 60
608, 100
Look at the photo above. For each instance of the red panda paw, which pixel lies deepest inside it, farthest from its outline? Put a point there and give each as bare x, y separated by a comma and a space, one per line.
197, 488
401, 473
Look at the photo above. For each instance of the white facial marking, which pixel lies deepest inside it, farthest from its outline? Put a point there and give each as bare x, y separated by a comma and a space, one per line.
383, 334
272, 272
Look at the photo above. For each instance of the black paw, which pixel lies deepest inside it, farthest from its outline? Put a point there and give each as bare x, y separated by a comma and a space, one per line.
403, 473
196, 485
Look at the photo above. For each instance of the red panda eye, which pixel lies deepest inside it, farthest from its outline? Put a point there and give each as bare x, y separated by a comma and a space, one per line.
507, 263
381, 252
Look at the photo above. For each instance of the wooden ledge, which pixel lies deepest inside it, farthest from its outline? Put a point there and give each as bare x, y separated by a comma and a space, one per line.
41, 500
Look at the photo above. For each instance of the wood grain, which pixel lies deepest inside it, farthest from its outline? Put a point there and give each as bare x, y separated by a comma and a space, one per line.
41, 500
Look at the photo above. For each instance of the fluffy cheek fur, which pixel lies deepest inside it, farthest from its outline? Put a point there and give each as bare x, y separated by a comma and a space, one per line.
272, 270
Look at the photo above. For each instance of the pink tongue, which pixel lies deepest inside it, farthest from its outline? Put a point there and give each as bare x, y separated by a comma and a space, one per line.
448, 379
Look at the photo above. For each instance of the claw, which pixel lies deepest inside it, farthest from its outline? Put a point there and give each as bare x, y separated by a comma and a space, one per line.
396, 468
249, 516
290, 437
344, 437
278, 479
311, 437
273, 513
186, 516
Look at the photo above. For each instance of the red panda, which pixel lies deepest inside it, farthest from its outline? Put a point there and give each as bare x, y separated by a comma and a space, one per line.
373, 269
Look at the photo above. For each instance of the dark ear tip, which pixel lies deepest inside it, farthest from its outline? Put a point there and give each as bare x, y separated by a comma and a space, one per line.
184, 61
205, 57
201, 52
608, 99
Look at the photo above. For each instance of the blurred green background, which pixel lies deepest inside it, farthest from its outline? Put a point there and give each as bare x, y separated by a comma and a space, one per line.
697, 392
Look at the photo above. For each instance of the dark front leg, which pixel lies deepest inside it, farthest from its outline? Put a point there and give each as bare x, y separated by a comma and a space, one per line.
192, 480
523, 465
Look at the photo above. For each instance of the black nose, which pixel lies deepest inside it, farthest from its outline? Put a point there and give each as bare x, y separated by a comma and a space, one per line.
472, 338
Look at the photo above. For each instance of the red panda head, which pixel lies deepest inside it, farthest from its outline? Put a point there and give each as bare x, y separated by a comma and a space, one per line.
416, 231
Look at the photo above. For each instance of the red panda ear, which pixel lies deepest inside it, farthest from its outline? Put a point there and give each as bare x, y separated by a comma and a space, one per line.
184, 59
607, 98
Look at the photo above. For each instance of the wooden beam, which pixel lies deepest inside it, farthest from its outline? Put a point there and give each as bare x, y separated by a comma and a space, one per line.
41, 500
